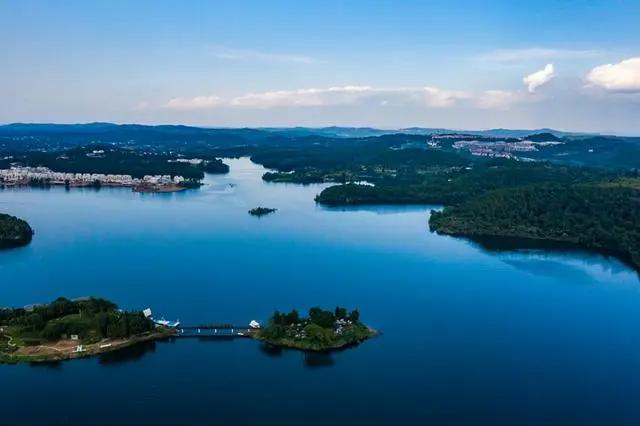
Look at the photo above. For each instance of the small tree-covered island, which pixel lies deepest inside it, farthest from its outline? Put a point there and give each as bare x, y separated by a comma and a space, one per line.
261, 211
14, 232
321, 331
68, 329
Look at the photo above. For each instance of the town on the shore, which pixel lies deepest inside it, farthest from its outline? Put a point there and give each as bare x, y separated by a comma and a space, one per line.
23, 176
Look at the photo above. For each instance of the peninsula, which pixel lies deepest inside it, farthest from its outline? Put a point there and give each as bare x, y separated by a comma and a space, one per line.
14, 232
69, 329
602, 216
321, 331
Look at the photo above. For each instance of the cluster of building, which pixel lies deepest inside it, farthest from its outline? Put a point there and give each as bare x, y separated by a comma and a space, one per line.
341, 324
499, 149
192, 161
26, 175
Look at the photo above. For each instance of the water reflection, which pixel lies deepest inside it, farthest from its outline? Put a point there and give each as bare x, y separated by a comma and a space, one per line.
51, 365
551, 257
131, 353
381, 209
270, 350
318, 359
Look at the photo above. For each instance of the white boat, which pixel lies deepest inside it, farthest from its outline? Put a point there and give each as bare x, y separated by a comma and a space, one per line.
163, 322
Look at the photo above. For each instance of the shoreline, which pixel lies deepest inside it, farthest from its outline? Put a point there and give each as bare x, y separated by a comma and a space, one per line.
149, 188
305, 346
63, 350
158, 188
50, 353
514, 243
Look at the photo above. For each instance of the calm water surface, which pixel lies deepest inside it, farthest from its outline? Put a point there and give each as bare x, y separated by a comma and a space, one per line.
470, 337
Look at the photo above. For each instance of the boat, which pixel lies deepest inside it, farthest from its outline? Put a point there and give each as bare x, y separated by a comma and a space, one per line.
164, 323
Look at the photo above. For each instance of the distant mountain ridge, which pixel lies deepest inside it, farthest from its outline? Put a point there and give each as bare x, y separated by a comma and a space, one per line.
331, 131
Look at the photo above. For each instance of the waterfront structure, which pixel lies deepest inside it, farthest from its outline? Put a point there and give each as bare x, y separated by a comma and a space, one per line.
25, 175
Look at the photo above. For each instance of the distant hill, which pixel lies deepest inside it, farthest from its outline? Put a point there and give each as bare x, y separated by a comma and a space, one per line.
296, 144
543, 137
264, 132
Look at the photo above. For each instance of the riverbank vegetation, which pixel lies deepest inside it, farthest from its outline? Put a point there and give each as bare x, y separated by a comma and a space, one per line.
458, 184
321, 330
14, 232
598, 216
67, 329
588, 207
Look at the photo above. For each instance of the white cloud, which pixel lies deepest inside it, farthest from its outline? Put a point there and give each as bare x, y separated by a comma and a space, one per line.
198, 102
539, 78
498, 99
429, 97
247, 55
621, 77
537, 53
332, 96
439, 98
349, 95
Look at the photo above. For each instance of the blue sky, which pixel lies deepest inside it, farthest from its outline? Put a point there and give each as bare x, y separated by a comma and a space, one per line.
457, 64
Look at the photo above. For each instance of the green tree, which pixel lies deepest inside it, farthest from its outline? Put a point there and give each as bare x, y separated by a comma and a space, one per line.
325, 319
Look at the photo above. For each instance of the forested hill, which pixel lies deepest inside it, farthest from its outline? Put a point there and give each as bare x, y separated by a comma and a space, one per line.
456, 185
288, 148
599, 216
14, 232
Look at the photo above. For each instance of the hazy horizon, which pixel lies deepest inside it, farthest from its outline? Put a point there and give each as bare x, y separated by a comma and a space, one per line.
318, 64
346, 126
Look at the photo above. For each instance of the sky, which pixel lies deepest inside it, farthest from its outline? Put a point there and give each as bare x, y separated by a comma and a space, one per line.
569, 65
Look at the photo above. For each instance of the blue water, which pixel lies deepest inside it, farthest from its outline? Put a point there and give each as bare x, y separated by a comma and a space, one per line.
470, 336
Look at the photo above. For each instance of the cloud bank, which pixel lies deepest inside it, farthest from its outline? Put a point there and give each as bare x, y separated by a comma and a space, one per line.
427, 97
199, 102
621, 77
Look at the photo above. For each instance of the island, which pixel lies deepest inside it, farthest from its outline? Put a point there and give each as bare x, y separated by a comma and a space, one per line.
322, 330
14, 232
68, 329
261, 211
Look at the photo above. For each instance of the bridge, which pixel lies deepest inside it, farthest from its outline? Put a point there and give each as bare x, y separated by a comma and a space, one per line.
214, 330
205, 330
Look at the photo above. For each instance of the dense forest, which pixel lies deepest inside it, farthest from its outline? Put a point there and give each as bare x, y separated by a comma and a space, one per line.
598, 216
14, 232
455, 185
110, 160
91, 319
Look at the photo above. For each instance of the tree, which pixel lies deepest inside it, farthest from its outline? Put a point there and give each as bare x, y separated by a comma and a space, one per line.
292, 317
324, 319
277, 318
318, 335
354, 316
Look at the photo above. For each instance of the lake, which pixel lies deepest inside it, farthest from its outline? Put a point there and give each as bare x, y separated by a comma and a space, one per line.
469, 336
